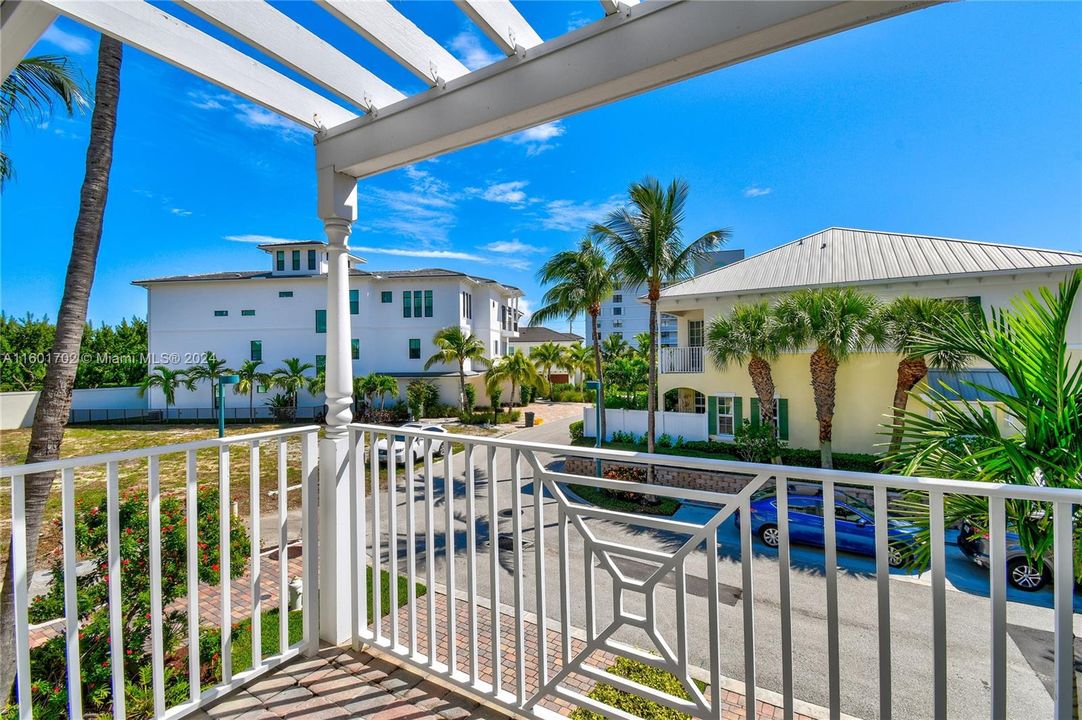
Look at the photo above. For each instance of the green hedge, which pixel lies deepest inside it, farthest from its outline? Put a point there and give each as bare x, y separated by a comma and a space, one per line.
638, 705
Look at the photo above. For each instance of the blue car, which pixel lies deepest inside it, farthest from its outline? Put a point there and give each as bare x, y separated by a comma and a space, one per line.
854, 525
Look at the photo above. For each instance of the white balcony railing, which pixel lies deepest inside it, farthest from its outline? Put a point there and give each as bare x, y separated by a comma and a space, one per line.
681, 360
517, 589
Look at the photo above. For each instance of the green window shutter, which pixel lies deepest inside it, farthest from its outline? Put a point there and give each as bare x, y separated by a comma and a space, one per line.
783, 419
754, 412
355, 348
974, 304
257, 349
354, 302
415, 349
428, 303
280, 260
712, 415
221, 313
386, 296
738, 413
296, 256
247, 313
285, 293
321, 321
311, 259
407, 304
417, 300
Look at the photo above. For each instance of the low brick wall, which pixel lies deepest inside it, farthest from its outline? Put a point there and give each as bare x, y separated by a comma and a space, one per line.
721, 482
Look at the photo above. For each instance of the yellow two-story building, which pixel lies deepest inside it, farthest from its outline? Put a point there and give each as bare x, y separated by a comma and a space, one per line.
889, 265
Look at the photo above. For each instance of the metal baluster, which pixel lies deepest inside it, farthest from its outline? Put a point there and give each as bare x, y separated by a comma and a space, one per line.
392, 534
19, 575
539, 559
256, 580
116, 620
225, 547
449, 554
471, 560
786, 599
520, 629
714, 599
411, 545
310, 542
191, 487
430, 542
1064, 619
565, 589
71, 600
830, 571
882, 572
377, 570
997, 561
154, 535
283, 553
748, 601
939, 603
494, 569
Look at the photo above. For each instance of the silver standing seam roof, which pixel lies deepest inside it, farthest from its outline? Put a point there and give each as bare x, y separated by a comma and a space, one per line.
841, 256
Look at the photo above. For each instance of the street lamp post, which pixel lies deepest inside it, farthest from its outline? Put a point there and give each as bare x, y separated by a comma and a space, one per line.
224, 380
595, 385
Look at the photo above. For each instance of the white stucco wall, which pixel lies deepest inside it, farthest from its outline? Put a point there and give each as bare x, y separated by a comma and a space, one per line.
17, 408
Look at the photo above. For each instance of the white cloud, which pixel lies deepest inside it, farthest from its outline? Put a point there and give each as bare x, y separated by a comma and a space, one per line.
526, 307
69, 42
467, 46
539, 138
576, 20
181, 212
249, 115
262, 239
571, 215
511, 247
424, 213
420, 253
756, 191
510, 193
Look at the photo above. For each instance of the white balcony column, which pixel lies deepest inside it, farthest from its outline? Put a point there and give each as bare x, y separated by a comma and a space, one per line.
338, 210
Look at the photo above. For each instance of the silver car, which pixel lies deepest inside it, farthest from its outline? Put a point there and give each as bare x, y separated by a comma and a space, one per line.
1021, 573
399, 445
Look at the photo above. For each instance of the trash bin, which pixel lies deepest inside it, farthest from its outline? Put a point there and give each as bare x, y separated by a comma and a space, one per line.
529, 419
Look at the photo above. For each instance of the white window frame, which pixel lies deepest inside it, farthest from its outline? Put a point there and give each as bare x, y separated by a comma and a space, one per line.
731, 415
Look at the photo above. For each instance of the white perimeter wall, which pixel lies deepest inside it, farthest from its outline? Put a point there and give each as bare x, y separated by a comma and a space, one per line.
690, 426
17, 408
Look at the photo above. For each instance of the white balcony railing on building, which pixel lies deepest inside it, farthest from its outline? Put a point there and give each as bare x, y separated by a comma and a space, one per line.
291, 452
681, 360
520, 602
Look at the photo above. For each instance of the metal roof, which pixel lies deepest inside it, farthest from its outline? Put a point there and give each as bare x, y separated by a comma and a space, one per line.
969, 384
844, 256
544, 334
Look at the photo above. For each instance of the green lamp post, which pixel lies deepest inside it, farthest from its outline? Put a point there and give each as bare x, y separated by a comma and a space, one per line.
595, 385
224, 380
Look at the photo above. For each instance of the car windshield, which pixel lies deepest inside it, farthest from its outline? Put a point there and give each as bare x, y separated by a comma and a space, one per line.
400, 438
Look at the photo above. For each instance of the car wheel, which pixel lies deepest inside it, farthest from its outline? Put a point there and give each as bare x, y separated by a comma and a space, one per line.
1024, 576
770, 535
896, 556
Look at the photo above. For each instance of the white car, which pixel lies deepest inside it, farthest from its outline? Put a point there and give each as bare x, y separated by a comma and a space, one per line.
400, 443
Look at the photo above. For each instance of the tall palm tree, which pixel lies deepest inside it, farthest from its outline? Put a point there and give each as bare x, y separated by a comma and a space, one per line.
209, 371
547, 356
54, 404
385, 385
578, 360
250, 376
839, 322
32, 89
516, 369
457, 346
167, 380
292, 379
751, 334
647, 245
642, 345
614, 347
580, 281
907, 321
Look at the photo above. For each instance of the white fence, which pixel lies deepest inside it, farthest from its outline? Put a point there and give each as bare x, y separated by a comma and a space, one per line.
690, 426
17, 408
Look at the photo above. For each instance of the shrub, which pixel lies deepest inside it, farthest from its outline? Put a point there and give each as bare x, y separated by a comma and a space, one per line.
48, 662
635, 704
469, 399
577, 429
665, 441
757, 443
440, 410
571, 396
623, 437
855, 462
421, 394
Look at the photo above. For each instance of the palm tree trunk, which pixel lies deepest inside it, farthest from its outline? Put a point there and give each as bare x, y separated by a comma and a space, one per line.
55, 401
824, 374
651, 382
461, 385
910, 372
594, 312
251, 405
762, 379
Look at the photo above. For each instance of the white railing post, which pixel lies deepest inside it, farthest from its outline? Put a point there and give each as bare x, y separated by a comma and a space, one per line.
338, 210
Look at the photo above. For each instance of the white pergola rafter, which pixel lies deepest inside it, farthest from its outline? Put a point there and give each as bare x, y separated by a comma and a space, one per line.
503, 24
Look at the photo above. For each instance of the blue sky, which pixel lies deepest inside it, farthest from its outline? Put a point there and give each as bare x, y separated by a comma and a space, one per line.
962, 120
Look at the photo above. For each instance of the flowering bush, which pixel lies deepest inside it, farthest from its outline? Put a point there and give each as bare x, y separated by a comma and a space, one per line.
47, 661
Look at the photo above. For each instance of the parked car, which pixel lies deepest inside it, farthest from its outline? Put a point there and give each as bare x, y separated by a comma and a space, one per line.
1021, 573
399, 447
854, 524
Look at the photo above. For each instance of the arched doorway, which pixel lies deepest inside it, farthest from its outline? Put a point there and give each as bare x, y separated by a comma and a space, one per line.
687, 400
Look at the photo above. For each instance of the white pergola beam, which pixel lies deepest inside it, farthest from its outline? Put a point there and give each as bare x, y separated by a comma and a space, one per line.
265, 28
393, 33
154, 31
503, 24
614, 58
21, 24
611, 6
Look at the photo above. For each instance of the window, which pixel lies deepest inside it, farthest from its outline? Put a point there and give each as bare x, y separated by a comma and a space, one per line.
355, 348
617, 311
321, 321
812, 508
618, 323
417, 300
726, 423
846, 513
695, 333
467, 306
415, 348
781, 416
247, 313
321, 363
285, 293
280, 260
617, 298
407, 304
428, 303
296, 259
617, 335
311, 259
386, 296
495, 348
256, 349
261, 388
221, 313
354, 302
700, 403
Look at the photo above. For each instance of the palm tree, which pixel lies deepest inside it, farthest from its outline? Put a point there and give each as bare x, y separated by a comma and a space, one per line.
581, 281
752, 334
614, 347
578, 360
838, 322
647, 245
516, 369
212, 368
907, 320
385, 385
250, 376
642, 345
456, 346
547, 356
292, 379
168, 380
962, 439
33, 88
51, 415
